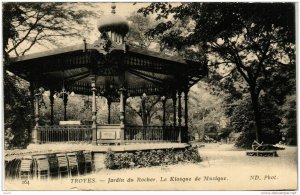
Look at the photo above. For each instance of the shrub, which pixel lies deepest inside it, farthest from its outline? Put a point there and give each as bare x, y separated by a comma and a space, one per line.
246, 138
151, 158
17, 112
109, 160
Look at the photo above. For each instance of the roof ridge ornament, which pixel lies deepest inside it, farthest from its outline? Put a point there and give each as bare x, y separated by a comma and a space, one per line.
113, 29
113, 8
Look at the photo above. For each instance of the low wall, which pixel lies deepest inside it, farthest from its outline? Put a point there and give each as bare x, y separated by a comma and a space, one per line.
15, 167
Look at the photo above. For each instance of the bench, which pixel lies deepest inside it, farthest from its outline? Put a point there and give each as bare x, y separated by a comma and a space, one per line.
272, 153
69, 123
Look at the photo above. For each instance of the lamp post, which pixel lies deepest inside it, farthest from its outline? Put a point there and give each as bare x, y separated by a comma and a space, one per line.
64, 95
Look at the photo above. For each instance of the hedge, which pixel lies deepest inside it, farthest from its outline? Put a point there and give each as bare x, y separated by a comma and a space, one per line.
151, 158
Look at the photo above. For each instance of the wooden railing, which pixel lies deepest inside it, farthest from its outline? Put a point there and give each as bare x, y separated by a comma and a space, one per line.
64, 133
151, 134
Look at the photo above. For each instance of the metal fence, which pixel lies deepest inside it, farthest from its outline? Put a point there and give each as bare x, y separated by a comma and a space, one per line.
151, 134
63, 133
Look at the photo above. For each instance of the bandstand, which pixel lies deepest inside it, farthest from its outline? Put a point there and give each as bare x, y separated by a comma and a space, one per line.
115, 70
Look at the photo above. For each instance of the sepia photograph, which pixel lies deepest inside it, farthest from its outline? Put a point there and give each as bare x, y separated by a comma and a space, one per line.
192, 96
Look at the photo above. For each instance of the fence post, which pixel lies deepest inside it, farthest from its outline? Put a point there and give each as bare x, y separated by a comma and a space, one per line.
94, 112
68, 130
179, 116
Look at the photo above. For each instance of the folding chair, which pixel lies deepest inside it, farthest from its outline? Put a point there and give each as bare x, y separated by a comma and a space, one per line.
41, 166
26, 168
73, 164
88, 161
53, 162
63, 167
81, 162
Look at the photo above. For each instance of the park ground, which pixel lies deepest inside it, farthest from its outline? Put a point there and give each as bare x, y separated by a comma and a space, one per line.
223, 167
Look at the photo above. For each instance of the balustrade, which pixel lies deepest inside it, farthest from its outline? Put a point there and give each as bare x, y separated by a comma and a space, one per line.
133, 134
151, 134
64, 133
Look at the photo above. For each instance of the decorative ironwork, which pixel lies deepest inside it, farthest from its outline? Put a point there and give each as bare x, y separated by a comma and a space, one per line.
151, 133
39, 94
110, 91
85, 88
63, 133
108, 71
63, 91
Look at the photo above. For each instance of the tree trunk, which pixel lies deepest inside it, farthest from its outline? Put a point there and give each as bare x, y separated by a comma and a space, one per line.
148, 119
257, 115
143, 112
144, 120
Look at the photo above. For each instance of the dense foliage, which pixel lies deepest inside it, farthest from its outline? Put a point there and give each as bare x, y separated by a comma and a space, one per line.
151, 158
289, 120
26, 24
17, 112
251, 44
242, 120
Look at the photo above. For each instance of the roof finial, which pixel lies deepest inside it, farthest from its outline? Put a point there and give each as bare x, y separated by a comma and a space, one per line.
113, 8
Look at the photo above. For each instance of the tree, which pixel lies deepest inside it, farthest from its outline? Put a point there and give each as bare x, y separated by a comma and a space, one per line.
17, 112
242, 120
146, 108
248, 42
289, 120
139, 25
205, 110
28, 24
